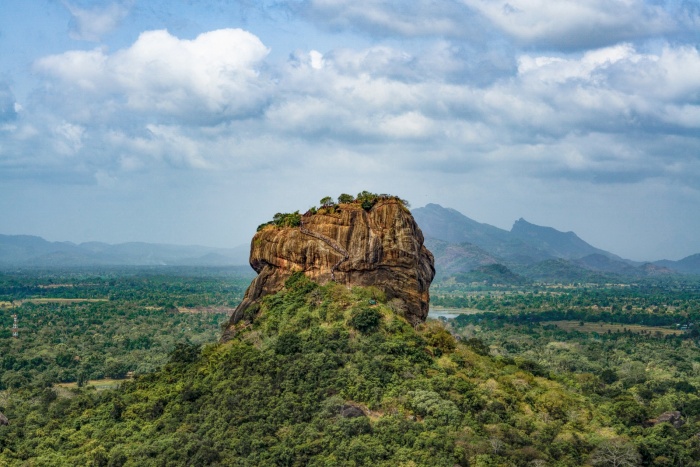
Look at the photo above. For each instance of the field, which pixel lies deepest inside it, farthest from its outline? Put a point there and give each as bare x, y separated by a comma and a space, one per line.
602, 328
8, 305
98, 384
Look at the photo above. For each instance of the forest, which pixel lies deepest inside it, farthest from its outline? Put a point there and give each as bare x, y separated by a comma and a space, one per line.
566, 375
81, 325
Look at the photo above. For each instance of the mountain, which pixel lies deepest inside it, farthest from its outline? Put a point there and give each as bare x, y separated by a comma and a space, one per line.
688, 265
32, 251
452, 226
524, 243
452, 258
558, 244
376, 244
491, 274
461, 244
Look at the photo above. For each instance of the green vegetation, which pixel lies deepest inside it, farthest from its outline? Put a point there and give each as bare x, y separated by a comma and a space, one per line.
78, 326
491, 274
331, 376
366, 199
283, 220
630, 349
647, 303
345, 198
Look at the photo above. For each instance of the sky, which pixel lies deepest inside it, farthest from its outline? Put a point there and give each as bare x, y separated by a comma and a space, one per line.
192, 122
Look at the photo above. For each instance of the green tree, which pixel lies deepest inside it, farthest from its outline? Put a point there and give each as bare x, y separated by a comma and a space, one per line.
366, 320
345, 198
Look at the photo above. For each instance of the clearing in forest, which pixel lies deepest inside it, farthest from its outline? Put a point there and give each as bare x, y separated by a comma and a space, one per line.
603, 328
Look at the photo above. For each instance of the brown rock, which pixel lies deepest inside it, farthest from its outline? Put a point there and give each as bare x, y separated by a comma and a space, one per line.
3, 419
673, 417
351, 411
382, 247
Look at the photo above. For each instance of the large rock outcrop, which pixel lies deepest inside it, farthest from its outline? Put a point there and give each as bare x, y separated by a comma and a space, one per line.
381, 247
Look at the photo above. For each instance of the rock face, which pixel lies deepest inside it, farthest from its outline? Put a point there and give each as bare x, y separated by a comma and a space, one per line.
673, 417
382, 247
3, 419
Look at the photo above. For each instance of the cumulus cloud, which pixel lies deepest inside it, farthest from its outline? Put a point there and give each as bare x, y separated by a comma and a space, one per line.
90, 24
212, 77
217, 103
587, 114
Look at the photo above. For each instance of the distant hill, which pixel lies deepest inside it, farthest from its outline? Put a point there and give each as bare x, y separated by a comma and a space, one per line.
491, 274
32, 251
452, 258
688, 265
558, 244
452, 226
461, 245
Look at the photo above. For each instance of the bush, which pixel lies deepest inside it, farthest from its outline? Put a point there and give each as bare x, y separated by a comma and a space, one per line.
288, 344
287, 219
366, 320
345, 198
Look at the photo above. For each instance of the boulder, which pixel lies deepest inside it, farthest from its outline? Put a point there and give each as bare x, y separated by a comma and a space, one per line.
353, 246
351, 411
673, 417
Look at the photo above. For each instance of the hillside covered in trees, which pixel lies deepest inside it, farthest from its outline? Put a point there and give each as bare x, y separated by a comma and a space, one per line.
324, 376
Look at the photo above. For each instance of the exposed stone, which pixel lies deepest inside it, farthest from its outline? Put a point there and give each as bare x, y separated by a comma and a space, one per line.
673, 417
382, 247
3, 419
351, 411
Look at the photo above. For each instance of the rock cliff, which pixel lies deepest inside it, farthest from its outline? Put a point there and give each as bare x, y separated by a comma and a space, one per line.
381, 246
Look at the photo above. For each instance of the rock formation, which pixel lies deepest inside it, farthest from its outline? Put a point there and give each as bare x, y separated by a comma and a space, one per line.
381, 246
673, 417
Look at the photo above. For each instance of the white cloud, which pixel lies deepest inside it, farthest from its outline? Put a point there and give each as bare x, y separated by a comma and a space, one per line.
206, 104
92, 24
214, 76
415, 18
562, 24
575, 23
69, 138
316, 59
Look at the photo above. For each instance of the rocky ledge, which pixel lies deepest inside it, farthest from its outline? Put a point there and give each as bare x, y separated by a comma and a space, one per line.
354, 243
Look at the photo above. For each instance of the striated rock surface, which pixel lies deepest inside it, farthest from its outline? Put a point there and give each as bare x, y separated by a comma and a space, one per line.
382, 247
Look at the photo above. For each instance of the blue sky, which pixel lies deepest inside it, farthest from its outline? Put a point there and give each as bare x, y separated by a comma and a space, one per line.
193, 122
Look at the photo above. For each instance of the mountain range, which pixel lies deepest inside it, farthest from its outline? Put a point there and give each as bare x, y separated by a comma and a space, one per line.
464, 246
32, 251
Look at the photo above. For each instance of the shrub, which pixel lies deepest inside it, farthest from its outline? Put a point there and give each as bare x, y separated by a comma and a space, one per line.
345, 198
366, 320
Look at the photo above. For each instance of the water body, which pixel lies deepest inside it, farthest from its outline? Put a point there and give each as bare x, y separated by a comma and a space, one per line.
450, 313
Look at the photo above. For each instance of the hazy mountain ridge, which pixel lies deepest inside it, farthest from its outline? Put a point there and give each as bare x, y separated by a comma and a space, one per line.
33, 251
461, 244
565, 245
688, 265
